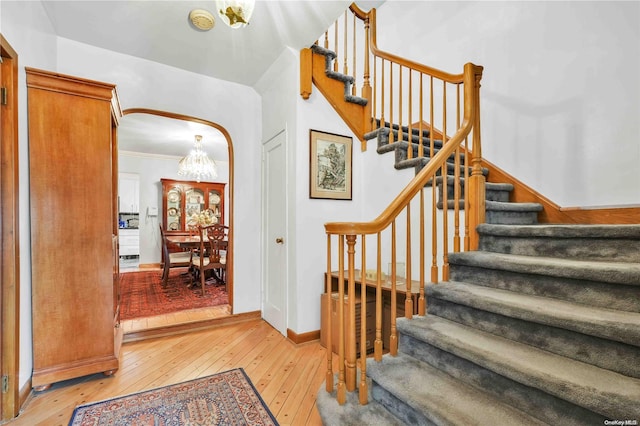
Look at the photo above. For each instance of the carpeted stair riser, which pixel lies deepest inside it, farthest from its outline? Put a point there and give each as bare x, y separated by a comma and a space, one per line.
592, 388
370, 414
622, 358
606, 323
512, 213
612, 243
493, 192
606, 295
399, 383
543, 406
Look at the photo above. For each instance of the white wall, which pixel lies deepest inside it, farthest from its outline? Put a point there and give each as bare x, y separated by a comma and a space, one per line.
560, 93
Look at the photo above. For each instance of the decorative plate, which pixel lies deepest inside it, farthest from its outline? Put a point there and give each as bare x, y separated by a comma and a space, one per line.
214, 199
173, 211
173, 197
173, 226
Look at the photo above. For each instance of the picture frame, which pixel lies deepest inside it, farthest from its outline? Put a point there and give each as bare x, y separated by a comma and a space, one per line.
330, 165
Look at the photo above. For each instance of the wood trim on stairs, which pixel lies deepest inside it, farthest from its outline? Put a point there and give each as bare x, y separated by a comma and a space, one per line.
553, 213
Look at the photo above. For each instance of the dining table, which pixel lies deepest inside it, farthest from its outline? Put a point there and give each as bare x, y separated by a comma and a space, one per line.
188, 242
191, 242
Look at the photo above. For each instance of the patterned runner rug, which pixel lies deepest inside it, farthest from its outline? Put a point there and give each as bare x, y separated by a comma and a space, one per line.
227, 398
142, 294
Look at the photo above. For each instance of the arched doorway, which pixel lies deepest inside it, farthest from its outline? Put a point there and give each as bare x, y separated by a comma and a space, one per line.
165, 137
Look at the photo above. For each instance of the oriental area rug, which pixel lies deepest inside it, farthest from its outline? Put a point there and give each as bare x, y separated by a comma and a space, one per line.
227, 398
142, 294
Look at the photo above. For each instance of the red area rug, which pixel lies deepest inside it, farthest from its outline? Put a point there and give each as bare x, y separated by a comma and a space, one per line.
227, 398
142, 294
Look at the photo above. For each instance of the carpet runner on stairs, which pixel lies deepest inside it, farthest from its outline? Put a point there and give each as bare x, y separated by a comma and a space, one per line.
540, 326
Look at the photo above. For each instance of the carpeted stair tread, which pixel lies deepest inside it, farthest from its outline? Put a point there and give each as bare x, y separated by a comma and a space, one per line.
608, 272
513, 207
352, 413
562, 230
611, 324
440, 398
596, 389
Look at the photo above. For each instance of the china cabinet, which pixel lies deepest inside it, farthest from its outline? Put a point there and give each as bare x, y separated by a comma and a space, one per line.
74, 228
182, 201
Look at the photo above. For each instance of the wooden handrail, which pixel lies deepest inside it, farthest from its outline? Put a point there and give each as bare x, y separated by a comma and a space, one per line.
400, 202
399, 99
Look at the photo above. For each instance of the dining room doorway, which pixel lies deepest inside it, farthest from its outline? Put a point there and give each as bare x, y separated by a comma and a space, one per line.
150, 145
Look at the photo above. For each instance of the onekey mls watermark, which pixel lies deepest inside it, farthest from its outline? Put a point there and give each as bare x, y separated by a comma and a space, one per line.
627, 422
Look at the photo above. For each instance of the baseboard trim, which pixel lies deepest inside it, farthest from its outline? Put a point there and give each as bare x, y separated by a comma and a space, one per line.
170, 330
304, 337
150, 266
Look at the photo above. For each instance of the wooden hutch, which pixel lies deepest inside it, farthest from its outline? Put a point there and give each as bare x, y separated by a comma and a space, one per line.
182, 199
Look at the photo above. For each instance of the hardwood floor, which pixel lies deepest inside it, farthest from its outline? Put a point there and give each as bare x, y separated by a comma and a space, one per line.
288, 376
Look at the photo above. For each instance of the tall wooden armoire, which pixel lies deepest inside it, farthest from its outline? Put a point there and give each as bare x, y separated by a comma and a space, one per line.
74, 229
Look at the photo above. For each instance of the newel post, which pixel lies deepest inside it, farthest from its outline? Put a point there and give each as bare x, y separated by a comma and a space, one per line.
306, 70
477, 197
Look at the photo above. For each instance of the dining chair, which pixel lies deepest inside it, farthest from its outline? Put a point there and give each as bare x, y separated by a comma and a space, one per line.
179, 259
213, 243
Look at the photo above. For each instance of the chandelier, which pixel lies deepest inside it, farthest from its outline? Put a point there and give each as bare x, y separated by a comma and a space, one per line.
235, 13
197, 164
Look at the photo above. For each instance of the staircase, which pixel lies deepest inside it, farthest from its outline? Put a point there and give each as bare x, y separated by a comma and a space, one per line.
540, 326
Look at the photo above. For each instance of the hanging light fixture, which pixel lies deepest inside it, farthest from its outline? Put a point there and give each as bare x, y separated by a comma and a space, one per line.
197, 164
235, 13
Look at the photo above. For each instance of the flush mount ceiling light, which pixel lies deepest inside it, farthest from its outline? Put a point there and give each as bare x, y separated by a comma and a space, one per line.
197, 164
235, 13
202, 19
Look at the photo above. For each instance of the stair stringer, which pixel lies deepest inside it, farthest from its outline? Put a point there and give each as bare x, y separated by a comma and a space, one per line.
335, 87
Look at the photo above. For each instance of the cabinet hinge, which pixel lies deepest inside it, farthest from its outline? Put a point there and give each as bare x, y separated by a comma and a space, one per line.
5, 384
3, 95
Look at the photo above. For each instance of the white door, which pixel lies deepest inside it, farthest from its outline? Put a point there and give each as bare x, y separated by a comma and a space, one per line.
274, 294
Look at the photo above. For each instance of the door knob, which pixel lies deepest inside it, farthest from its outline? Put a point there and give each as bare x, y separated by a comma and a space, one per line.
280, 240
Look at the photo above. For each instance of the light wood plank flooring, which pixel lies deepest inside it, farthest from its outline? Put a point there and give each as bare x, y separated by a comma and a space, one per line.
288, 376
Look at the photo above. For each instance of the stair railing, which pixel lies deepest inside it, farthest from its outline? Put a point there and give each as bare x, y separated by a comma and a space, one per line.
403, 101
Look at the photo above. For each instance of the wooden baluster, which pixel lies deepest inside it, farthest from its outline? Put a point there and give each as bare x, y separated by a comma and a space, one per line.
382, 83
400, 133
351, 295
370, 108
326, 39
378, 342
328, 336
456, 181
363, 389
445, 207
421, 298
408, 302
420, 124
393, 338
434, 211
335, 45
345, 67
341, 389
391, 136
353, 61
409, 124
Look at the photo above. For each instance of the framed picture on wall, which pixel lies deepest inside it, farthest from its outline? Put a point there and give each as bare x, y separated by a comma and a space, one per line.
330, 166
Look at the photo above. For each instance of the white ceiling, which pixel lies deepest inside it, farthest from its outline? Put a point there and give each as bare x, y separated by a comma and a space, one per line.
160, 31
